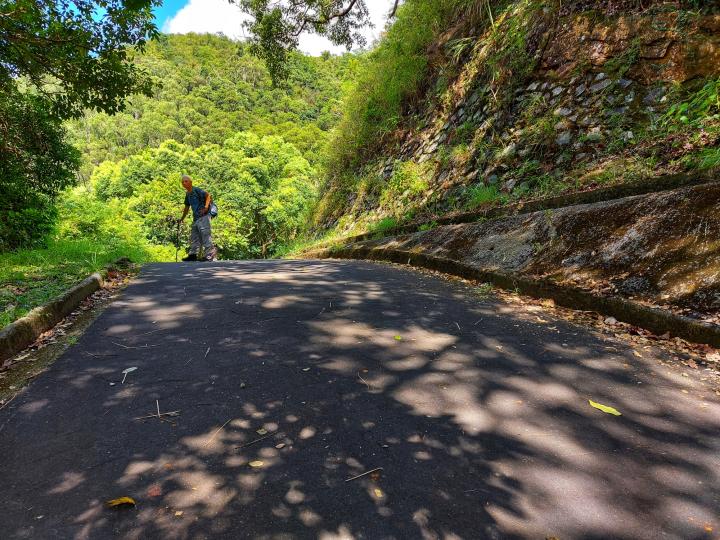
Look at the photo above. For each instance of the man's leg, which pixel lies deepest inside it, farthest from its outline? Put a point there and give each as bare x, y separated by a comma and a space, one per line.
194, 242
206, 237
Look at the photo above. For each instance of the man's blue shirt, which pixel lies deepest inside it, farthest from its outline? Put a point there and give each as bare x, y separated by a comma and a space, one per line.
196, 200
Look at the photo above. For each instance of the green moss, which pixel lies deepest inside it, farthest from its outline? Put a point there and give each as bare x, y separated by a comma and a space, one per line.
380, 228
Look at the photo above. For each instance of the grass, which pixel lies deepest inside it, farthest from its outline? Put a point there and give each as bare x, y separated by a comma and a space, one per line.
707, 158
480, 194
384, 225
484, 290
32, 277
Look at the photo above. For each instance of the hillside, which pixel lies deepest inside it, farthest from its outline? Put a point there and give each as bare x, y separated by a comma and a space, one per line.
527, 99
209, 87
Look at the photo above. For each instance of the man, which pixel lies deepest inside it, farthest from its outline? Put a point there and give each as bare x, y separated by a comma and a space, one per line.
200, 234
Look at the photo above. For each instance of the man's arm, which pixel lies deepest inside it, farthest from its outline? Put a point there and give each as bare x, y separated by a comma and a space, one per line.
185, 211
208, 199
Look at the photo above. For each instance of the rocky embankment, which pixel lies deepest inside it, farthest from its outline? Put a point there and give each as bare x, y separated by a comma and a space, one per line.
661, 249
591, 110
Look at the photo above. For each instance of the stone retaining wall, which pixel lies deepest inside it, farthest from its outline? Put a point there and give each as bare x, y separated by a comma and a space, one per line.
661, 248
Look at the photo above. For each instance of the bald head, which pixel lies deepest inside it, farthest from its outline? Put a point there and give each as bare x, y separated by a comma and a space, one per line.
186, 181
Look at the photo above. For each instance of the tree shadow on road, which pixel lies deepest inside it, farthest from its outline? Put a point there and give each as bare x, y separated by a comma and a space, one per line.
477, 413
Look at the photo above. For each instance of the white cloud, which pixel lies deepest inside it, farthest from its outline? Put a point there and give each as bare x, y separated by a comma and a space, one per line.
214, 16
209, 16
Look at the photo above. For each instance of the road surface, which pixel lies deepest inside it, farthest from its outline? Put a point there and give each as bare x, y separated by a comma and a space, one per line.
292, 377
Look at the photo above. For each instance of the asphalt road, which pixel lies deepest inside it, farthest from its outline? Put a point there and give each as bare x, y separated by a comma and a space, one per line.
477, 413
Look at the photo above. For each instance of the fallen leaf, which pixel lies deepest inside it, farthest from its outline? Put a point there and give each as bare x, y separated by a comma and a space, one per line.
378, 493
120, 502
280, 445
261, 431
306, 369
398, 338
179, 513
256, 464
604, 408
637, 354
708, 528
154, 491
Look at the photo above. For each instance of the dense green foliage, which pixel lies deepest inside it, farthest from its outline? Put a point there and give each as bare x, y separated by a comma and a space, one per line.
35, 163
75, 53
388, 76
211, 88
387, 79
264, 188
217, 117
57, 58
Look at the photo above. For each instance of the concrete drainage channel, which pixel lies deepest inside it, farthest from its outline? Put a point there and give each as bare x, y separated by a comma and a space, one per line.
22, 333
656, 320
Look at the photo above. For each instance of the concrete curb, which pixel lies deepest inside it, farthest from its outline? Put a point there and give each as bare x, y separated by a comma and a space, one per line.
656, 320
23, 332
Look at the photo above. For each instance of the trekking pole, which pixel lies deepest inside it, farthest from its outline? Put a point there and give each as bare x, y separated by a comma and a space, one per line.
177, 240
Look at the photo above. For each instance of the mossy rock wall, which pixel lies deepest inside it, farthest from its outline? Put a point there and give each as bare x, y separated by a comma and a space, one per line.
663, 247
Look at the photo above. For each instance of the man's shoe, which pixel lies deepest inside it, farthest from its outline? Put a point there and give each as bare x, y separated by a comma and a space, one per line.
191, 257
212, 255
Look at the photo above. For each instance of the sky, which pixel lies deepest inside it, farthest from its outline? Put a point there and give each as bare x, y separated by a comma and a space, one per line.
183, 16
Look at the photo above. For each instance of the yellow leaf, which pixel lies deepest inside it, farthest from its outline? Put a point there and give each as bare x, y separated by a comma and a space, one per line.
637, 354
398, 338
604, 408
378, 493
261, 431
256, 464
178, 513
120, 502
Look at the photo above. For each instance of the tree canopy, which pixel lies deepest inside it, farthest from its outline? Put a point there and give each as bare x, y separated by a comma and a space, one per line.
57, 59
75, 53
262, 185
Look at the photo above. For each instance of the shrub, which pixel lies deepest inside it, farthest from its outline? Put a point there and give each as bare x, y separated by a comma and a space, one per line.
408, 180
